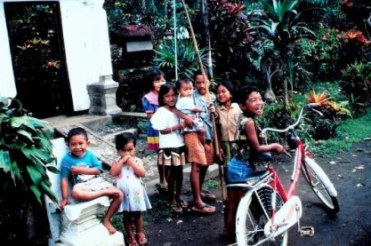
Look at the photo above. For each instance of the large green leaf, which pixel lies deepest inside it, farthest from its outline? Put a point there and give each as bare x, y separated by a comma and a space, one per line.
52, 168
36, 191
17, 122
36, 123
5, 162
15, 172
25, 149
35, 175
36, 153
46, 188
26, 135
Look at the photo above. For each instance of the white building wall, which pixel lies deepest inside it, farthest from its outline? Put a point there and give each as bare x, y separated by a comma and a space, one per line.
7, 82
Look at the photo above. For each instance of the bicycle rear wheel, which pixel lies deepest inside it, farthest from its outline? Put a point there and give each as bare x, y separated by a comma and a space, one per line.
321, 185
254, 211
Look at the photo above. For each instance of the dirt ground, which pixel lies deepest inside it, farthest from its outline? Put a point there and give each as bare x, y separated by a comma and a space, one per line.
349, 171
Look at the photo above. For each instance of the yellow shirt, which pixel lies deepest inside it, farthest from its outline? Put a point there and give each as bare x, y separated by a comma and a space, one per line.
229, 121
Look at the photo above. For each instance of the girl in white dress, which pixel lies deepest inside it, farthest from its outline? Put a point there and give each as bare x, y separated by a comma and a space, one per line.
172, 149
128, 170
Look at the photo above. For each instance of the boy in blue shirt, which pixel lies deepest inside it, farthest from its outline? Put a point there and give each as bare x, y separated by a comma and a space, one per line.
82, 167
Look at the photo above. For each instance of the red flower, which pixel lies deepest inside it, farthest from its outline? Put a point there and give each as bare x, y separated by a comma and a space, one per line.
356, 35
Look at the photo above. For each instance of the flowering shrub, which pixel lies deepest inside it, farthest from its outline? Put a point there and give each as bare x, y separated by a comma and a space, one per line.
325, 119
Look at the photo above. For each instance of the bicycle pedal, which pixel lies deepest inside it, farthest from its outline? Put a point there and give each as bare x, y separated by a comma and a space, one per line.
307, 231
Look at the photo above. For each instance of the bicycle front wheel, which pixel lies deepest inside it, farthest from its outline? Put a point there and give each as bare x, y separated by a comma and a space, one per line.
254, 211
321, 185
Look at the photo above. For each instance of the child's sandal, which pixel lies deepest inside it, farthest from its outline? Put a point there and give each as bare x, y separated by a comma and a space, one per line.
182, 203
176, 208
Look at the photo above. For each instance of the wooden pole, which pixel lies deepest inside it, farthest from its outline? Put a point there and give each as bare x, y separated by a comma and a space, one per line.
215, 133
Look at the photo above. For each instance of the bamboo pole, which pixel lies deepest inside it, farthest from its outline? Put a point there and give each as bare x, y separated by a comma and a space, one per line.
215, 134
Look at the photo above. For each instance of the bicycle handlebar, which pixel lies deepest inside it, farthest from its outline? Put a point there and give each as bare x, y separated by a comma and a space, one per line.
308, 106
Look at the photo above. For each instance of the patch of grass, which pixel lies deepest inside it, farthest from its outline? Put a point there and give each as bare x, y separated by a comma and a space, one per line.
117, 222
349, 132
160, 209
211, 184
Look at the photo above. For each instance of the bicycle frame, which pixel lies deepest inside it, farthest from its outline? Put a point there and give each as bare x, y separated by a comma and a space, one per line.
281, 207
277, 183
292, 204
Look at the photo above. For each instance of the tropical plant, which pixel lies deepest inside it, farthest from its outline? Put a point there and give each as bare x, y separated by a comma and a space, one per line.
279, 29
326, 118
186, 57
359, 11
321, 55
327, 104
356, 84
355, 47
25, 151
230, 38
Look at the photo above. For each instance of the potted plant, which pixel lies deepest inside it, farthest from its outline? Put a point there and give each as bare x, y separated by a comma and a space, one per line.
25, 154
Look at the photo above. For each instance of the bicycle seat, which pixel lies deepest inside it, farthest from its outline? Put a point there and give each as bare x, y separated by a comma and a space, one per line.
255, 177
251, 180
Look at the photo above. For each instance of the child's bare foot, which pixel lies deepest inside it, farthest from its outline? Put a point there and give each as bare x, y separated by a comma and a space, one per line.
109, 227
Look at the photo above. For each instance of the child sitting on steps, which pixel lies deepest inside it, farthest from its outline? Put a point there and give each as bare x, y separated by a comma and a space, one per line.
82, 168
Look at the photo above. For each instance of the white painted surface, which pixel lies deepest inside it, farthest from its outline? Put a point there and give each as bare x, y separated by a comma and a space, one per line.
132, 46
7, 83
86, 40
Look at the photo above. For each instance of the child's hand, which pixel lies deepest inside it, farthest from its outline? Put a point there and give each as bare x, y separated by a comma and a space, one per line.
124, 160
221, 157
197, 110
77, 170
63, 203
279, 148
182, 124
188, 120
212, 110
207, 147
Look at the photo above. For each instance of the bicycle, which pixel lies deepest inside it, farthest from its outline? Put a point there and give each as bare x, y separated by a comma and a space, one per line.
267, 210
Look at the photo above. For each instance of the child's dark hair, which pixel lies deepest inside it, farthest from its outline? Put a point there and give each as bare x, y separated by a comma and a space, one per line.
244, 93
165, 88
199, 72
227, 84
182, 80
153, 75
76, 131
123, 139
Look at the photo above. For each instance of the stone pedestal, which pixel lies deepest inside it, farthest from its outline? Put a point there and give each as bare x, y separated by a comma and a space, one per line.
103, 97
88, 231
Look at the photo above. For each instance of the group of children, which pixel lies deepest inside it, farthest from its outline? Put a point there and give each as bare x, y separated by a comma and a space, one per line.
180, 130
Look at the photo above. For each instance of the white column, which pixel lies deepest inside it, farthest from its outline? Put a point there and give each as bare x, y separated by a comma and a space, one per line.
103, 93
7, 82
88, 56
80, 54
